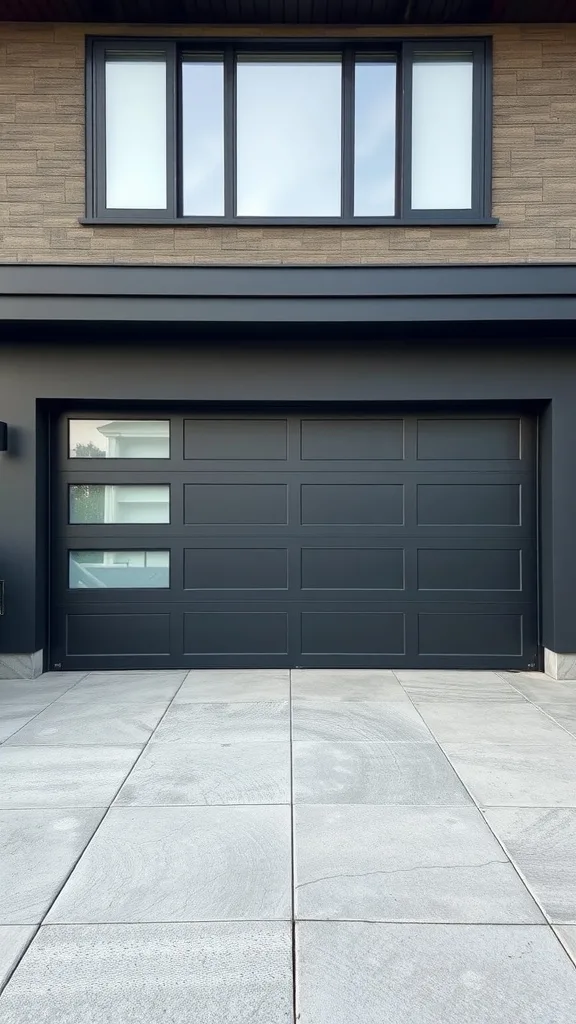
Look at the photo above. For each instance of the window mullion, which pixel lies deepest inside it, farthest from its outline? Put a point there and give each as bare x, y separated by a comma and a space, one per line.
229, 132
347, 208
404, 147
172, 131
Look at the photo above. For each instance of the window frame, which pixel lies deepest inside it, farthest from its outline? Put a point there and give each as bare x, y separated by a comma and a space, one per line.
174, 50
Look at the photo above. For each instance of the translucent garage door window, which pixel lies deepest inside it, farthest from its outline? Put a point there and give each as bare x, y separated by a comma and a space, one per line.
119, 439
117, 570
119, 503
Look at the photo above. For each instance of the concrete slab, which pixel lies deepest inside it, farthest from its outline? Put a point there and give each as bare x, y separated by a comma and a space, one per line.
346, 684
516, 774
209, 773
63, 776
432, 974
542, 843
182, 864
537, 687
38, 849
461, 722
563, 714
117, 687
13, 941
232, 685
449, 685
374, 773
14, 717
154, 974
428, 864
244, 722
567, 935
32, 691
356, 721
91, 724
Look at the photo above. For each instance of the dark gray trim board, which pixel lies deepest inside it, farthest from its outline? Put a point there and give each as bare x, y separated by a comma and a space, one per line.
282, 311
307, 281
288, 294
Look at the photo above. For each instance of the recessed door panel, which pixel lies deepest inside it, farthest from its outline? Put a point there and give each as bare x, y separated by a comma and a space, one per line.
226, 568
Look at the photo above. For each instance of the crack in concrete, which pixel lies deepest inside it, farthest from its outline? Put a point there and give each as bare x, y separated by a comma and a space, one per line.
400, 871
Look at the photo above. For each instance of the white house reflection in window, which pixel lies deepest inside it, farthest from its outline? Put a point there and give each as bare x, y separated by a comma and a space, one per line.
119, 503
119, 439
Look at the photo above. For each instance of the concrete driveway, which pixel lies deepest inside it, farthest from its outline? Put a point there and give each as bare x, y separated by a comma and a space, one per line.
161, 832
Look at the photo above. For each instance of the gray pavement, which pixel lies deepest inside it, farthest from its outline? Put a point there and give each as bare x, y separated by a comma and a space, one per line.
174, 845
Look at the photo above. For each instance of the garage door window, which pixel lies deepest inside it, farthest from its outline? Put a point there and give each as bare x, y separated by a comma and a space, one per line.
97, 570
119, 439
119, 503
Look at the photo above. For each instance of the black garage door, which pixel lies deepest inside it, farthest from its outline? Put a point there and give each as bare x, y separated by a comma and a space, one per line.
284, 539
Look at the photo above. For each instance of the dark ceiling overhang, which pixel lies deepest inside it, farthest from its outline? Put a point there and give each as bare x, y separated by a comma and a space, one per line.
285, 296
292, 12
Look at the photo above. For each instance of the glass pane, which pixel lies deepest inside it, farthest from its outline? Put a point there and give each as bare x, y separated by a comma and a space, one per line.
94, 570
119, 439
442, 135
119, 503
288, 145
136, 135
375, 139
203, 138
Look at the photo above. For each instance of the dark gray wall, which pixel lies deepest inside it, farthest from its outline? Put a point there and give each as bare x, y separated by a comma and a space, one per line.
36, 374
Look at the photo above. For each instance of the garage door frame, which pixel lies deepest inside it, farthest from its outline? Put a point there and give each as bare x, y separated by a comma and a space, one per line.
153, 536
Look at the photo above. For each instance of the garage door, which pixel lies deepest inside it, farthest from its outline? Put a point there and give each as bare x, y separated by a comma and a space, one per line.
311, 539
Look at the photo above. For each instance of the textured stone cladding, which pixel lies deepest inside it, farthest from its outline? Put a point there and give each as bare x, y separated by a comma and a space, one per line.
42, 164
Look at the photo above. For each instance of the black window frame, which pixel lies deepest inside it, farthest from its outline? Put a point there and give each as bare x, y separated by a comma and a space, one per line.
175, 50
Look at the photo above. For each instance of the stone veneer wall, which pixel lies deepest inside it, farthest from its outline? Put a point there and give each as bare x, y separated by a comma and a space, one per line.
42, 165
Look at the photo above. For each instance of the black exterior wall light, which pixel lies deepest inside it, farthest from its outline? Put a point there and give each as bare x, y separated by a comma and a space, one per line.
3, 437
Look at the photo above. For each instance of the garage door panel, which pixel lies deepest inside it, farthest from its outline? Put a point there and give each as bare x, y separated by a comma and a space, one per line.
479, 633
356, 440
469, 504
468, 439
230, 504
237, 439
250, 568
345, 568
119, 633
352, 504
239, 632
469, 569
358, 633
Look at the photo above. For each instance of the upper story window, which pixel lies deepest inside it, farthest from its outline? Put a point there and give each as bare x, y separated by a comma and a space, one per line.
291, 133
